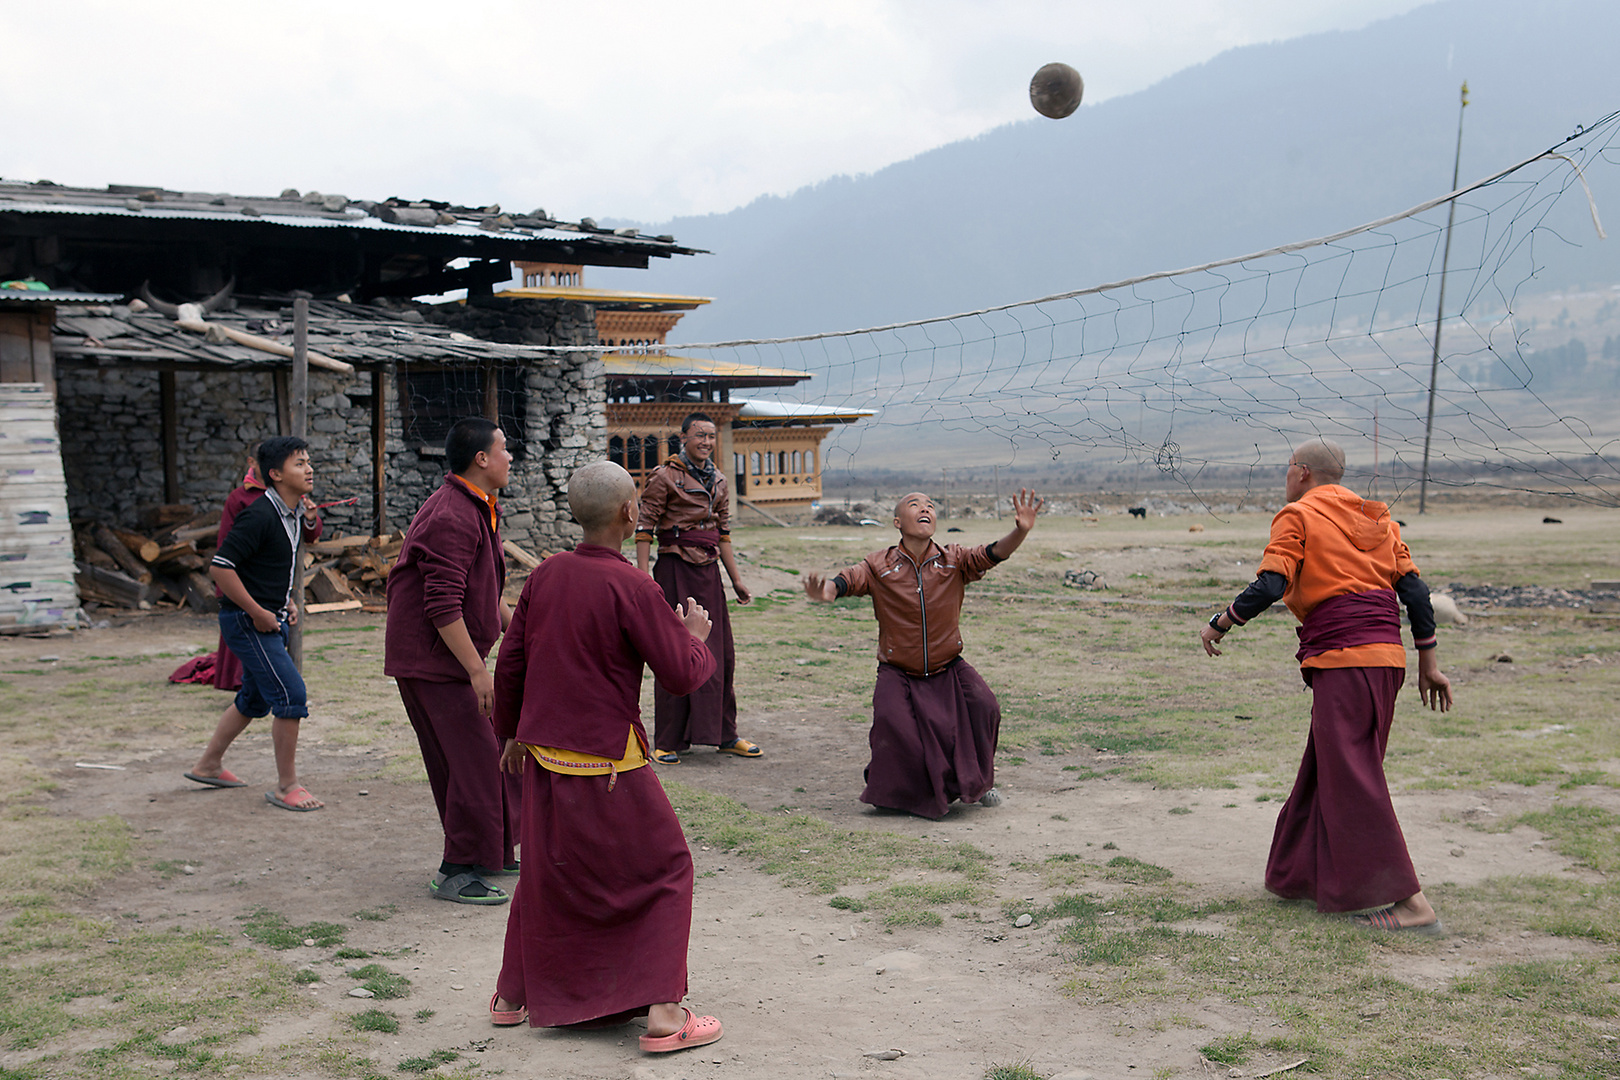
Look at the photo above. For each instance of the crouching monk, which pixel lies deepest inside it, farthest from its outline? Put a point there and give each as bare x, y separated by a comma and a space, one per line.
1340, 565
602, 911
934, 721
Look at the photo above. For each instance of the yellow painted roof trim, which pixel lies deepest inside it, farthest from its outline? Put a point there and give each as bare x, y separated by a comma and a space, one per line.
606, 296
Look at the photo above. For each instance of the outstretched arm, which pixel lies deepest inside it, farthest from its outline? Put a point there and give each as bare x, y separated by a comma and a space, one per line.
820, 589
1025, 507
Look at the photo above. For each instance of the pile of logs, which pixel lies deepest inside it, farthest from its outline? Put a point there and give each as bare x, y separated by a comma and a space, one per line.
165, 565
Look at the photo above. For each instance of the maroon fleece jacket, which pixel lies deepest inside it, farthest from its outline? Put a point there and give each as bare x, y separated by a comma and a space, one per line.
451, 567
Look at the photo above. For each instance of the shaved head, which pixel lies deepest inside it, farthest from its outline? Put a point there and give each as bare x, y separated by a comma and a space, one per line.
923, 495
596, 491
1325, 459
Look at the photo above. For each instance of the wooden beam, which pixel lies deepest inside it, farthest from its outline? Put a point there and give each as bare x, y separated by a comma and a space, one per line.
169, 424
379, 448
762, 512
476, 278
298, 407
492, 392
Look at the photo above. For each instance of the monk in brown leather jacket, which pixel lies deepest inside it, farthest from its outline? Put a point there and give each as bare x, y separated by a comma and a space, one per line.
934, 721
686, 511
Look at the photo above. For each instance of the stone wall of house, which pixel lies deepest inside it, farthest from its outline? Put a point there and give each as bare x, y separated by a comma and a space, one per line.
113, 458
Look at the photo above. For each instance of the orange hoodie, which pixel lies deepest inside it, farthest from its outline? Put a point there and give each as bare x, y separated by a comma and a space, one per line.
1330, 542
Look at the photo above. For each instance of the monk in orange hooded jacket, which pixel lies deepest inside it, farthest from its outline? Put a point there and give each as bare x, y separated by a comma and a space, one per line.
1340, 565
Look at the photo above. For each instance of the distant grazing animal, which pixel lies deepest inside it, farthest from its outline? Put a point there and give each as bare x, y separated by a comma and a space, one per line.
1552, 521
1195, 527
1139, 511
953, 528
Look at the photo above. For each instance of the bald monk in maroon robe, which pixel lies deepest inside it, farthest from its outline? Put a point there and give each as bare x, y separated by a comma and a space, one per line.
934, 721
1340, 565
602, 911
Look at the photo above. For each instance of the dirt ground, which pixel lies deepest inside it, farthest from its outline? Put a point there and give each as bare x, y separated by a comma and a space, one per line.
804, 990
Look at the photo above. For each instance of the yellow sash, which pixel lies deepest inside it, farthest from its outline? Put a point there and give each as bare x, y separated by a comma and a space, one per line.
574, 763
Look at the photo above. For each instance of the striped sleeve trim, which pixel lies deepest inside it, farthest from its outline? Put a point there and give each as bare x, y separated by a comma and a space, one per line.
1232, 614
220, 560
1426, 643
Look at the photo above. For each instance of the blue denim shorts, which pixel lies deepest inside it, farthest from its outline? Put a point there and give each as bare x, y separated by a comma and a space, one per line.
270, 680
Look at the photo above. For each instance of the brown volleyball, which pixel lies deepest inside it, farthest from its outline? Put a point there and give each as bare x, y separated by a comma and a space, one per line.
1055, 91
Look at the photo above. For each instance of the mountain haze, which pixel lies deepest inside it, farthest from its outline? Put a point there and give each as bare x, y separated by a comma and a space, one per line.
1260, 146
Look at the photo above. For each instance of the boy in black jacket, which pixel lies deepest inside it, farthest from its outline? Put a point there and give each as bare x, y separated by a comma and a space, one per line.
254, 570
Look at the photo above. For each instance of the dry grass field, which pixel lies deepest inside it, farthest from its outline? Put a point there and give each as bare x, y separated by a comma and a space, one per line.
147, 928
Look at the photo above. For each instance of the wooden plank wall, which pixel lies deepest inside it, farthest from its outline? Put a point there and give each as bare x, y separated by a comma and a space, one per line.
36, 542
25, 346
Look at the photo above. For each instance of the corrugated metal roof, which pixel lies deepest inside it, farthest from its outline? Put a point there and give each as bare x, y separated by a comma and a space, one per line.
362, 336
57, 296
794, 410
327, 221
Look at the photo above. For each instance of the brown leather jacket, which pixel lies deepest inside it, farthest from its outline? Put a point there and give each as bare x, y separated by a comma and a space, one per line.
918, 606
674, 499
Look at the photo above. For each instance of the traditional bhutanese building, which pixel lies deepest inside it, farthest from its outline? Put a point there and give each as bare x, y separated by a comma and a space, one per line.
774, 447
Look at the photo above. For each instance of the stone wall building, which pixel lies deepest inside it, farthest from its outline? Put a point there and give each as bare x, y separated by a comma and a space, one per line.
428, 375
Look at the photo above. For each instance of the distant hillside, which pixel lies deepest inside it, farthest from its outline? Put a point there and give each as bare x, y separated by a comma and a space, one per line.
1261, 145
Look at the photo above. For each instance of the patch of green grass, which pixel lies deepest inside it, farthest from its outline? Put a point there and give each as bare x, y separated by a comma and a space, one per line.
304, 977
847, 903
375, 1020
1125, 868
1180, 810
805, 850
1020, 1070
1584, 777
1590, 834
1230, 1049
424, 1015
382, 982
349, 952
431, 1061
923, 919
377, 914
273, 930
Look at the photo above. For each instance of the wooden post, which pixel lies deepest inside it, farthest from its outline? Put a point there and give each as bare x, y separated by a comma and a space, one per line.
379, 461
1440, 309
171, 437
298, 408
492, 392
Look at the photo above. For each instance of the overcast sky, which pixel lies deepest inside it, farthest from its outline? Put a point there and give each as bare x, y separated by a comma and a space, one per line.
637, 109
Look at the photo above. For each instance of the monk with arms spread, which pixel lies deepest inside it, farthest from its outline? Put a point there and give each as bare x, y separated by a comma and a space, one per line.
686, 510
601, 915
934, 721
1340, 565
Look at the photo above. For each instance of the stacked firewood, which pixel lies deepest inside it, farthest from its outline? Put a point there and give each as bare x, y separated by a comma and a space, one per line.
349, 573
164, 564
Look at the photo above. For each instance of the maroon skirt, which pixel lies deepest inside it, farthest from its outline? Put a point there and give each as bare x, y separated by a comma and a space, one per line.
933, 740
708, 715
602, 912
1337, 841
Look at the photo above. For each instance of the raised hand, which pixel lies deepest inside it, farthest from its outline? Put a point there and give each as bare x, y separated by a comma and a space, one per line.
1025, 507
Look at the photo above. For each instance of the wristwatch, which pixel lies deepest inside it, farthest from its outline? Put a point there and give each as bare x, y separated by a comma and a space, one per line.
1215, 622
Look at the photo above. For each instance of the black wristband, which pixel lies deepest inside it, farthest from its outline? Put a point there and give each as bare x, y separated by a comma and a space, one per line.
1215, 621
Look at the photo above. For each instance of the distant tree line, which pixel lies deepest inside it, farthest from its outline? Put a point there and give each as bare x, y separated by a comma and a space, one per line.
1567, 367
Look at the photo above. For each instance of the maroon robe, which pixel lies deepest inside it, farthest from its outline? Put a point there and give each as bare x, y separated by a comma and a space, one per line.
933, 740
602, 913
1337, 841
708, 715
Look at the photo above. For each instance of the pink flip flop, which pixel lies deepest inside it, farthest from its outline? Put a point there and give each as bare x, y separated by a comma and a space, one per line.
506, 1017
697, 1031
